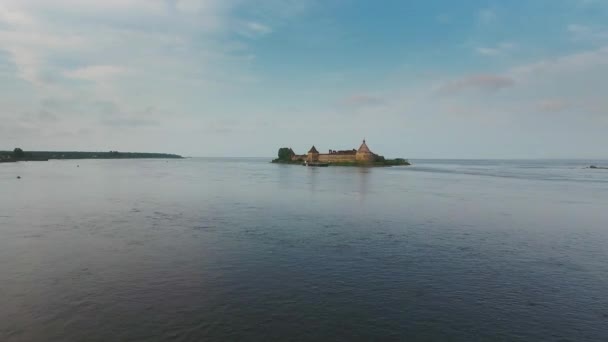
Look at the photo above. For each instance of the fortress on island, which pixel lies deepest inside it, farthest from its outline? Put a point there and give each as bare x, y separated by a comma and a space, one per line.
362, 155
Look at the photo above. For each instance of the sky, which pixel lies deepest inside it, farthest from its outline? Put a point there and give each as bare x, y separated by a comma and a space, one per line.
416, 79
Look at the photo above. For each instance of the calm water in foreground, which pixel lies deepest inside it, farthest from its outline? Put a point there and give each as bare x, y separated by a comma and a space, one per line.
212, 249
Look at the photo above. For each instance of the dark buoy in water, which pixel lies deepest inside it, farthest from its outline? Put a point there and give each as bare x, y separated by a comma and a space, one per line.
18, 177
77, 165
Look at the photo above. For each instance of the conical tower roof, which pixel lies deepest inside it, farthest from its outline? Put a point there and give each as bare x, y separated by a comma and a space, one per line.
313, 150
363, 148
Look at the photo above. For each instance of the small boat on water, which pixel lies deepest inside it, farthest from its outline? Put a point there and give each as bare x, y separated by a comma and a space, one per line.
306, 163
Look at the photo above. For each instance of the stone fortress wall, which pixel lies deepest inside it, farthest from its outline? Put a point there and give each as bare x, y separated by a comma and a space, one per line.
337, 158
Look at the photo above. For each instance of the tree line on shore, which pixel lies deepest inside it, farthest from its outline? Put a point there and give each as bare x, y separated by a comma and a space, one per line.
19, 154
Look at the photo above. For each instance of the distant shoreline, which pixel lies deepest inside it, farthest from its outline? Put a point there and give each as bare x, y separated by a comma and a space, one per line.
9, 156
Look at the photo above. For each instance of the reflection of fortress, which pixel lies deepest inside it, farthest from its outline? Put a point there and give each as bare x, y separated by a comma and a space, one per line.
363, 154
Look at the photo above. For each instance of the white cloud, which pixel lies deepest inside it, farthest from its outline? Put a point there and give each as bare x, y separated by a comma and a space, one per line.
363, 100
553, 105
97, 73
578, 29
28, 41
252, 29
587, 33
497, 50
197, 5
586, 60
485, 83
487, 51
37, 39
191, 59
588, 3
13, 17
181, 56
569, 87
89, 5
486, 16
443, 18
258, 28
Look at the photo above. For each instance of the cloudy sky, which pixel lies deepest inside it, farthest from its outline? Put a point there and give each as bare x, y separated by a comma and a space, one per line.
436, 79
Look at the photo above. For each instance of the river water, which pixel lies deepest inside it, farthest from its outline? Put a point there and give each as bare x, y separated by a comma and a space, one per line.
240, 249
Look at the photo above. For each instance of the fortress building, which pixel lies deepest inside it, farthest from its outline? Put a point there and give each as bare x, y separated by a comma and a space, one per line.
362, 155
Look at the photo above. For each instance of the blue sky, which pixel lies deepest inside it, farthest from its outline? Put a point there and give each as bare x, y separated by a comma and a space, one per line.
434, 79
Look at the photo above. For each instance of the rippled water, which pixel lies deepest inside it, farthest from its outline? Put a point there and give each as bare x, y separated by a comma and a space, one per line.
240, 249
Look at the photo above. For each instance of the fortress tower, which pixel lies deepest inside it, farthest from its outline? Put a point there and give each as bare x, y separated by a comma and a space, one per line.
313, 155
364, 154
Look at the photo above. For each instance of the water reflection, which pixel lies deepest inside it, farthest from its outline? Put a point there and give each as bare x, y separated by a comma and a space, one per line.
313, 177
285, 177
363, 174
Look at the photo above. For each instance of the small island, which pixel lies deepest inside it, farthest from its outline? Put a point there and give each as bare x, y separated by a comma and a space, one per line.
19, 155
355, 157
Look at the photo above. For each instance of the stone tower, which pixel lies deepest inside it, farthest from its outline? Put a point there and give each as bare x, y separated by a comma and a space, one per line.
313, 155
364, 154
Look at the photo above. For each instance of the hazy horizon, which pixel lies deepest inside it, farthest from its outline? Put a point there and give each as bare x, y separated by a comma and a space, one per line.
230, 78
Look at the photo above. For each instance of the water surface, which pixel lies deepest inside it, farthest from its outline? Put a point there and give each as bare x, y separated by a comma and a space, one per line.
240, 249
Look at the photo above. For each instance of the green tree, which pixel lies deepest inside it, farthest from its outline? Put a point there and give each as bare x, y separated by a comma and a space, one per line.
18, 153
286, 153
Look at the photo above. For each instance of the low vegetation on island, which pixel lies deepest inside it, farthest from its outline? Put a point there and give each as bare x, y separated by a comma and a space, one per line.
19, 155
